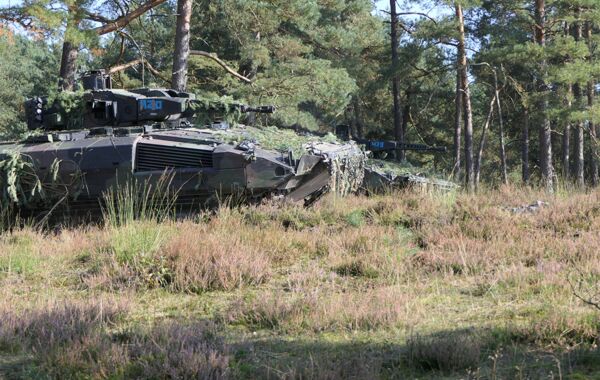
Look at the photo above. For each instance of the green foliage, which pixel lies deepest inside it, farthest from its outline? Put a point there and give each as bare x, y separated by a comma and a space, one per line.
299, 55
27, 68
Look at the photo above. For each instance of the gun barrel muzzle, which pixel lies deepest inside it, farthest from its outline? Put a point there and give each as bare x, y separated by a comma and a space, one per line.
259, 109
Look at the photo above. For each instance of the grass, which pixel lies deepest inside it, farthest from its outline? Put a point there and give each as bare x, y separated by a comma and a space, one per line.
402, 285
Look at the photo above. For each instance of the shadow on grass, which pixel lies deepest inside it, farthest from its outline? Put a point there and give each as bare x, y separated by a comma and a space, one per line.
83, 339
468, 353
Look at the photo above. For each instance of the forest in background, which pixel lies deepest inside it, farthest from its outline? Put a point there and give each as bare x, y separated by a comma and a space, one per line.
508, 86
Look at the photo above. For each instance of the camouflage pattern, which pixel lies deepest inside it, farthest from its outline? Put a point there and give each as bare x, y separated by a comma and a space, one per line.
144, 134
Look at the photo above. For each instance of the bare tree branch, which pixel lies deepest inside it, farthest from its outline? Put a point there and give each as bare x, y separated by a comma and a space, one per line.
96, 17
215, 58
144, 61
156, 73
124, 66
127, 18
414, 14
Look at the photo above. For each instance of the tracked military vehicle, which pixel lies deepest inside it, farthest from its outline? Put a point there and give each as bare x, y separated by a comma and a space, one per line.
115, 136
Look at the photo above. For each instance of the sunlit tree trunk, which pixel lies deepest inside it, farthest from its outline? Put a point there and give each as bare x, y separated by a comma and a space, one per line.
566, 141
579, 136
70, 51
182, 45
501, 131
398, 132
468, 113
457, 126
566, 137
545, 128
591, 95
525, 148
479, 155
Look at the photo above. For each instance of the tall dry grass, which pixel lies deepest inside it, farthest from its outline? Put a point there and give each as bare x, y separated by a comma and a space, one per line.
411, 268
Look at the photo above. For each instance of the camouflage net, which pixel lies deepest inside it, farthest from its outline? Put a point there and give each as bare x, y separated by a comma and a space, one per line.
282, 140
71, 105
18, 182
346, 165
207, 110
347, 173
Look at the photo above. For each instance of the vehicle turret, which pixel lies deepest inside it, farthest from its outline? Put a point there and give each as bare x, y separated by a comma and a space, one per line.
102, 106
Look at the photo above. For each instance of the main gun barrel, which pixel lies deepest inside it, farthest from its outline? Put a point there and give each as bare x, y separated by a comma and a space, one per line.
389, 145
222, 107
260, 109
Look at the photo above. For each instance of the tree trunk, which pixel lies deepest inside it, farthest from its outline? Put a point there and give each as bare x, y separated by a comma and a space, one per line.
398, 132
479, 156
468, 113
579, 154
566, 141
457, 126
357, 119
182, 45
70, 51
566, 137
545, 128
579, 147
591, 85
525, 148
68, 67
406, 113
501, 131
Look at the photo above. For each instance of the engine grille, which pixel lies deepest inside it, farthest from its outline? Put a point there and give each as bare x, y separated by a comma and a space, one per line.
160, 157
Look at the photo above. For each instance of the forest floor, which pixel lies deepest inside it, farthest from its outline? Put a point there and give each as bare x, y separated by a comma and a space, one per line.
403, 285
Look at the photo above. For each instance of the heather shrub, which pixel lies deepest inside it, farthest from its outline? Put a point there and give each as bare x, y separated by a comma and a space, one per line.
176, 351
202, 259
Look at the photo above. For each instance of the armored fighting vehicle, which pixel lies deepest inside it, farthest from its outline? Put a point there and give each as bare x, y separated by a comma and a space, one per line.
113, 137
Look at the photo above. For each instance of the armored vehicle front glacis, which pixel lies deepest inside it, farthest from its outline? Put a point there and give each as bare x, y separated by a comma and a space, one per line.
116, 136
